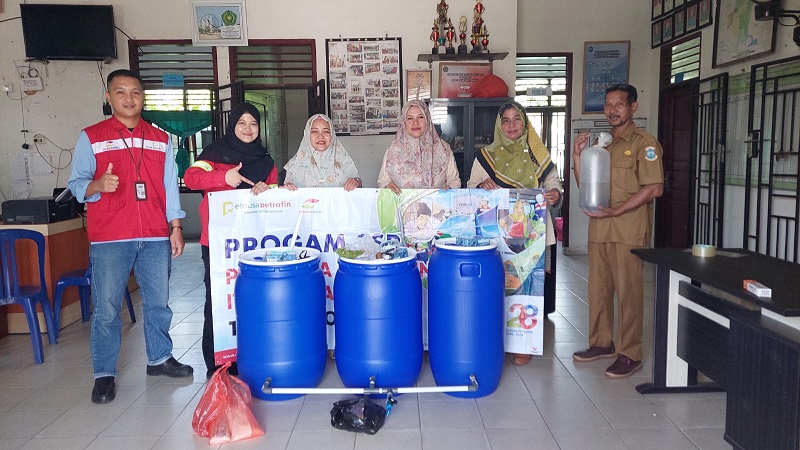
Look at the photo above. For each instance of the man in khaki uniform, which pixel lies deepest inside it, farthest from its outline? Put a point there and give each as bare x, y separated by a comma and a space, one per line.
637, 178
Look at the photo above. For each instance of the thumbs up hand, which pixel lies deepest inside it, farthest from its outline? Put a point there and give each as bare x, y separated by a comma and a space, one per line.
233, 178
108, 182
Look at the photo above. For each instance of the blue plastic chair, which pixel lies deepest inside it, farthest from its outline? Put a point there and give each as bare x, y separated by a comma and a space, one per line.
11, 291
82, 279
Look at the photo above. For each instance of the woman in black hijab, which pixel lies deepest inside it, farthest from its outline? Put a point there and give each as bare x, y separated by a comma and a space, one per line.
237, 161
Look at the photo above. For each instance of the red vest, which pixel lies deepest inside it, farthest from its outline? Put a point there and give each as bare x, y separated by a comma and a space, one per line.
119, 215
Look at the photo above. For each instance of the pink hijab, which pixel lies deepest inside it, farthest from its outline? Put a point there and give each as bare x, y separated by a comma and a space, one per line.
414, 163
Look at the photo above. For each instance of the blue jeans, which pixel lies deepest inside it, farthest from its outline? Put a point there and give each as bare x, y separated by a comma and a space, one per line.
111, 266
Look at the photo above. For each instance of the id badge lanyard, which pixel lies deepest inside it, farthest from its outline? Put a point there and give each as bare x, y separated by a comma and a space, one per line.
139, 186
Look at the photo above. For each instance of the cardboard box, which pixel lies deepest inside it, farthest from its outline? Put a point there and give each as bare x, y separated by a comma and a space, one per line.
757, 288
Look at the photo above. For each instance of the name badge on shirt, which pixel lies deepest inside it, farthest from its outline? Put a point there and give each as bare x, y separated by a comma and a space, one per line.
141, 190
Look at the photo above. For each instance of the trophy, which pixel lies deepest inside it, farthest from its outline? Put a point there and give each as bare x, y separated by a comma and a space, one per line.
441, 10
435, 37
441, 32
477, 28
450, 34
462, 35
485, 40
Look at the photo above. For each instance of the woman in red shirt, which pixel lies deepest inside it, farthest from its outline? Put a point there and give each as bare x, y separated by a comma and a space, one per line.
237, 161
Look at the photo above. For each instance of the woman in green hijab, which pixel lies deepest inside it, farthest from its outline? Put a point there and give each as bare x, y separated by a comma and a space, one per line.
518, 159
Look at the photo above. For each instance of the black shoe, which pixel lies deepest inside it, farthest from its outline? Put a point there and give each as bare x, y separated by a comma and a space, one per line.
171, 368
104, 390
623, 367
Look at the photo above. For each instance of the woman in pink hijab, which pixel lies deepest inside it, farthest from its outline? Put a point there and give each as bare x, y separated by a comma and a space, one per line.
418, 158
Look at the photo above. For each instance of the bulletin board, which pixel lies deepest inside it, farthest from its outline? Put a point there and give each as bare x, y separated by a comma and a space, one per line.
365, 84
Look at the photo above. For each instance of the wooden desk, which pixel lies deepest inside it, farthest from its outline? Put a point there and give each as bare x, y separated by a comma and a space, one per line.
706, 321
66, 249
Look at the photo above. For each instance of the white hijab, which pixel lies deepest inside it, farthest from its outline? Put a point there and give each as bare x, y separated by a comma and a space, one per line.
312, 168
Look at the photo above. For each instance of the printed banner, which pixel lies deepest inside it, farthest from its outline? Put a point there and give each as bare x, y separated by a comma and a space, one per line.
333, 218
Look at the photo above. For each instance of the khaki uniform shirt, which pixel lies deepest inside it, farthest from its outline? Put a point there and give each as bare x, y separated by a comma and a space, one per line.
636, 160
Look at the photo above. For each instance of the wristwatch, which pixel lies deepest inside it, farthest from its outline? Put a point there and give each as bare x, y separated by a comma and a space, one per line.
360, 184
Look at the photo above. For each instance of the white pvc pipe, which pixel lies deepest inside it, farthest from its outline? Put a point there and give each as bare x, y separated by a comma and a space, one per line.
357, 391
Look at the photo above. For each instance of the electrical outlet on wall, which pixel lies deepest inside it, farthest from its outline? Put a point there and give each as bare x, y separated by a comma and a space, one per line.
38, 139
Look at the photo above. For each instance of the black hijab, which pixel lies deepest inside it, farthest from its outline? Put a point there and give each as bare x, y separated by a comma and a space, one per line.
256, 162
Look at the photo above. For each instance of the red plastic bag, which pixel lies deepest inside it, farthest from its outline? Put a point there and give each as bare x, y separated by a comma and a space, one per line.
224, 413
490, 86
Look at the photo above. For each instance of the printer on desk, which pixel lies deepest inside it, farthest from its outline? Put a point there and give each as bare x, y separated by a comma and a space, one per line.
39, 210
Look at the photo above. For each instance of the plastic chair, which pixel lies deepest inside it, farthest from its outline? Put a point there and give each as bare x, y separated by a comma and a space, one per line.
82, 279
11, 291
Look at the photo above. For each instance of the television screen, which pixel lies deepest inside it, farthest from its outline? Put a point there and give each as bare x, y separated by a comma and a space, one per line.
81, 32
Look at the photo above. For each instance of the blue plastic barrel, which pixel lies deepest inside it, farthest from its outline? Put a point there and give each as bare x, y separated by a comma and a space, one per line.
378, 313
280, 322
465, 316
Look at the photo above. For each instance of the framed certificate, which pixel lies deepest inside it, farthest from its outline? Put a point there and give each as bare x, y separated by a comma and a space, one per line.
456, 80
418, 84
218, 23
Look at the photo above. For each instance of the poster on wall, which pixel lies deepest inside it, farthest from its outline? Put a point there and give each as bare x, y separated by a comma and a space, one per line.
333, 219
364, 85
604, 64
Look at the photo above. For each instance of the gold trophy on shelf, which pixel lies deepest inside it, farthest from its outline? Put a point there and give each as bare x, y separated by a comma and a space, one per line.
462, 35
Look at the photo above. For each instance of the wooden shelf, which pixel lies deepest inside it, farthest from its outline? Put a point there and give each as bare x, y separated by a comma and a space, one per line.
430, 57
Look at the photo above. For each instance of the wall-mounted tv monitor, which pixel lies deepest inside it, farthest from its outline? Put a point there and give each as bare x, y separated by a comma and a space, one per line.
80, 32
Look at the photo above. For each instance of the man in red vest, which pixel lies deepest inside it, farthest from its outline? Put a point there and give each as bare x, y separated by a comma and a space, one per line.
124, 170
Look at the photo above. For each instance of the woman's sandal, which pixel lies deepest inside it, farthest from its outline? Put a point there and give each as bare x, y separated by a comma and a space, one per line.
519, 359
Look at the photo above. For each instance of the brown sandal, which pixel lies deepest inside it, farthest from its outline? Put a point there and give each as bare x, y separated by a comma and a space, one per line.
519, 359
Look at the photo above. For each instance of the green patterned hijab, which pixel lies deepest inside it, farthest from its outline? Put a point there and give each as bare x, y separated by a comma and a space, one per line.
516, 163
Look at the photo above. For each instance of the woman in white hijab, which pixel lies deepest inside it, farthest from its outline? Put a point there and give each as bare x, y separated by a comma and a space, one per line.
321, 160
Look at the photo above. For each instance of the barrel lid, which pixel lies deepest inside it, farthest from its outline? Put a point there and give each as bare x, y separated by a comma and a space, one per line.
450, 244
256, 257
412, 254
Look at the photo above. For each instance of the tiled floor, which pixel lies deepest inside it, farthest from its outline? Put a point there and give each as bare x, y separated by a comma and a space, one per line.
552, 403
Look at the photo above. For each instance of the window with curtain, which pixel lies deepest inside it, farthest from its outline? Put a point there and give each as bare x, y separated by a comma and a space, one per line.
178, 82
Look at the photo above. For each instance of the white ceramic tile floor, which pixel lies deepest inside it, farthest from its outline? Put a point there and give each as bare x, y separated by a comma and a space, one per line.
552, 403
